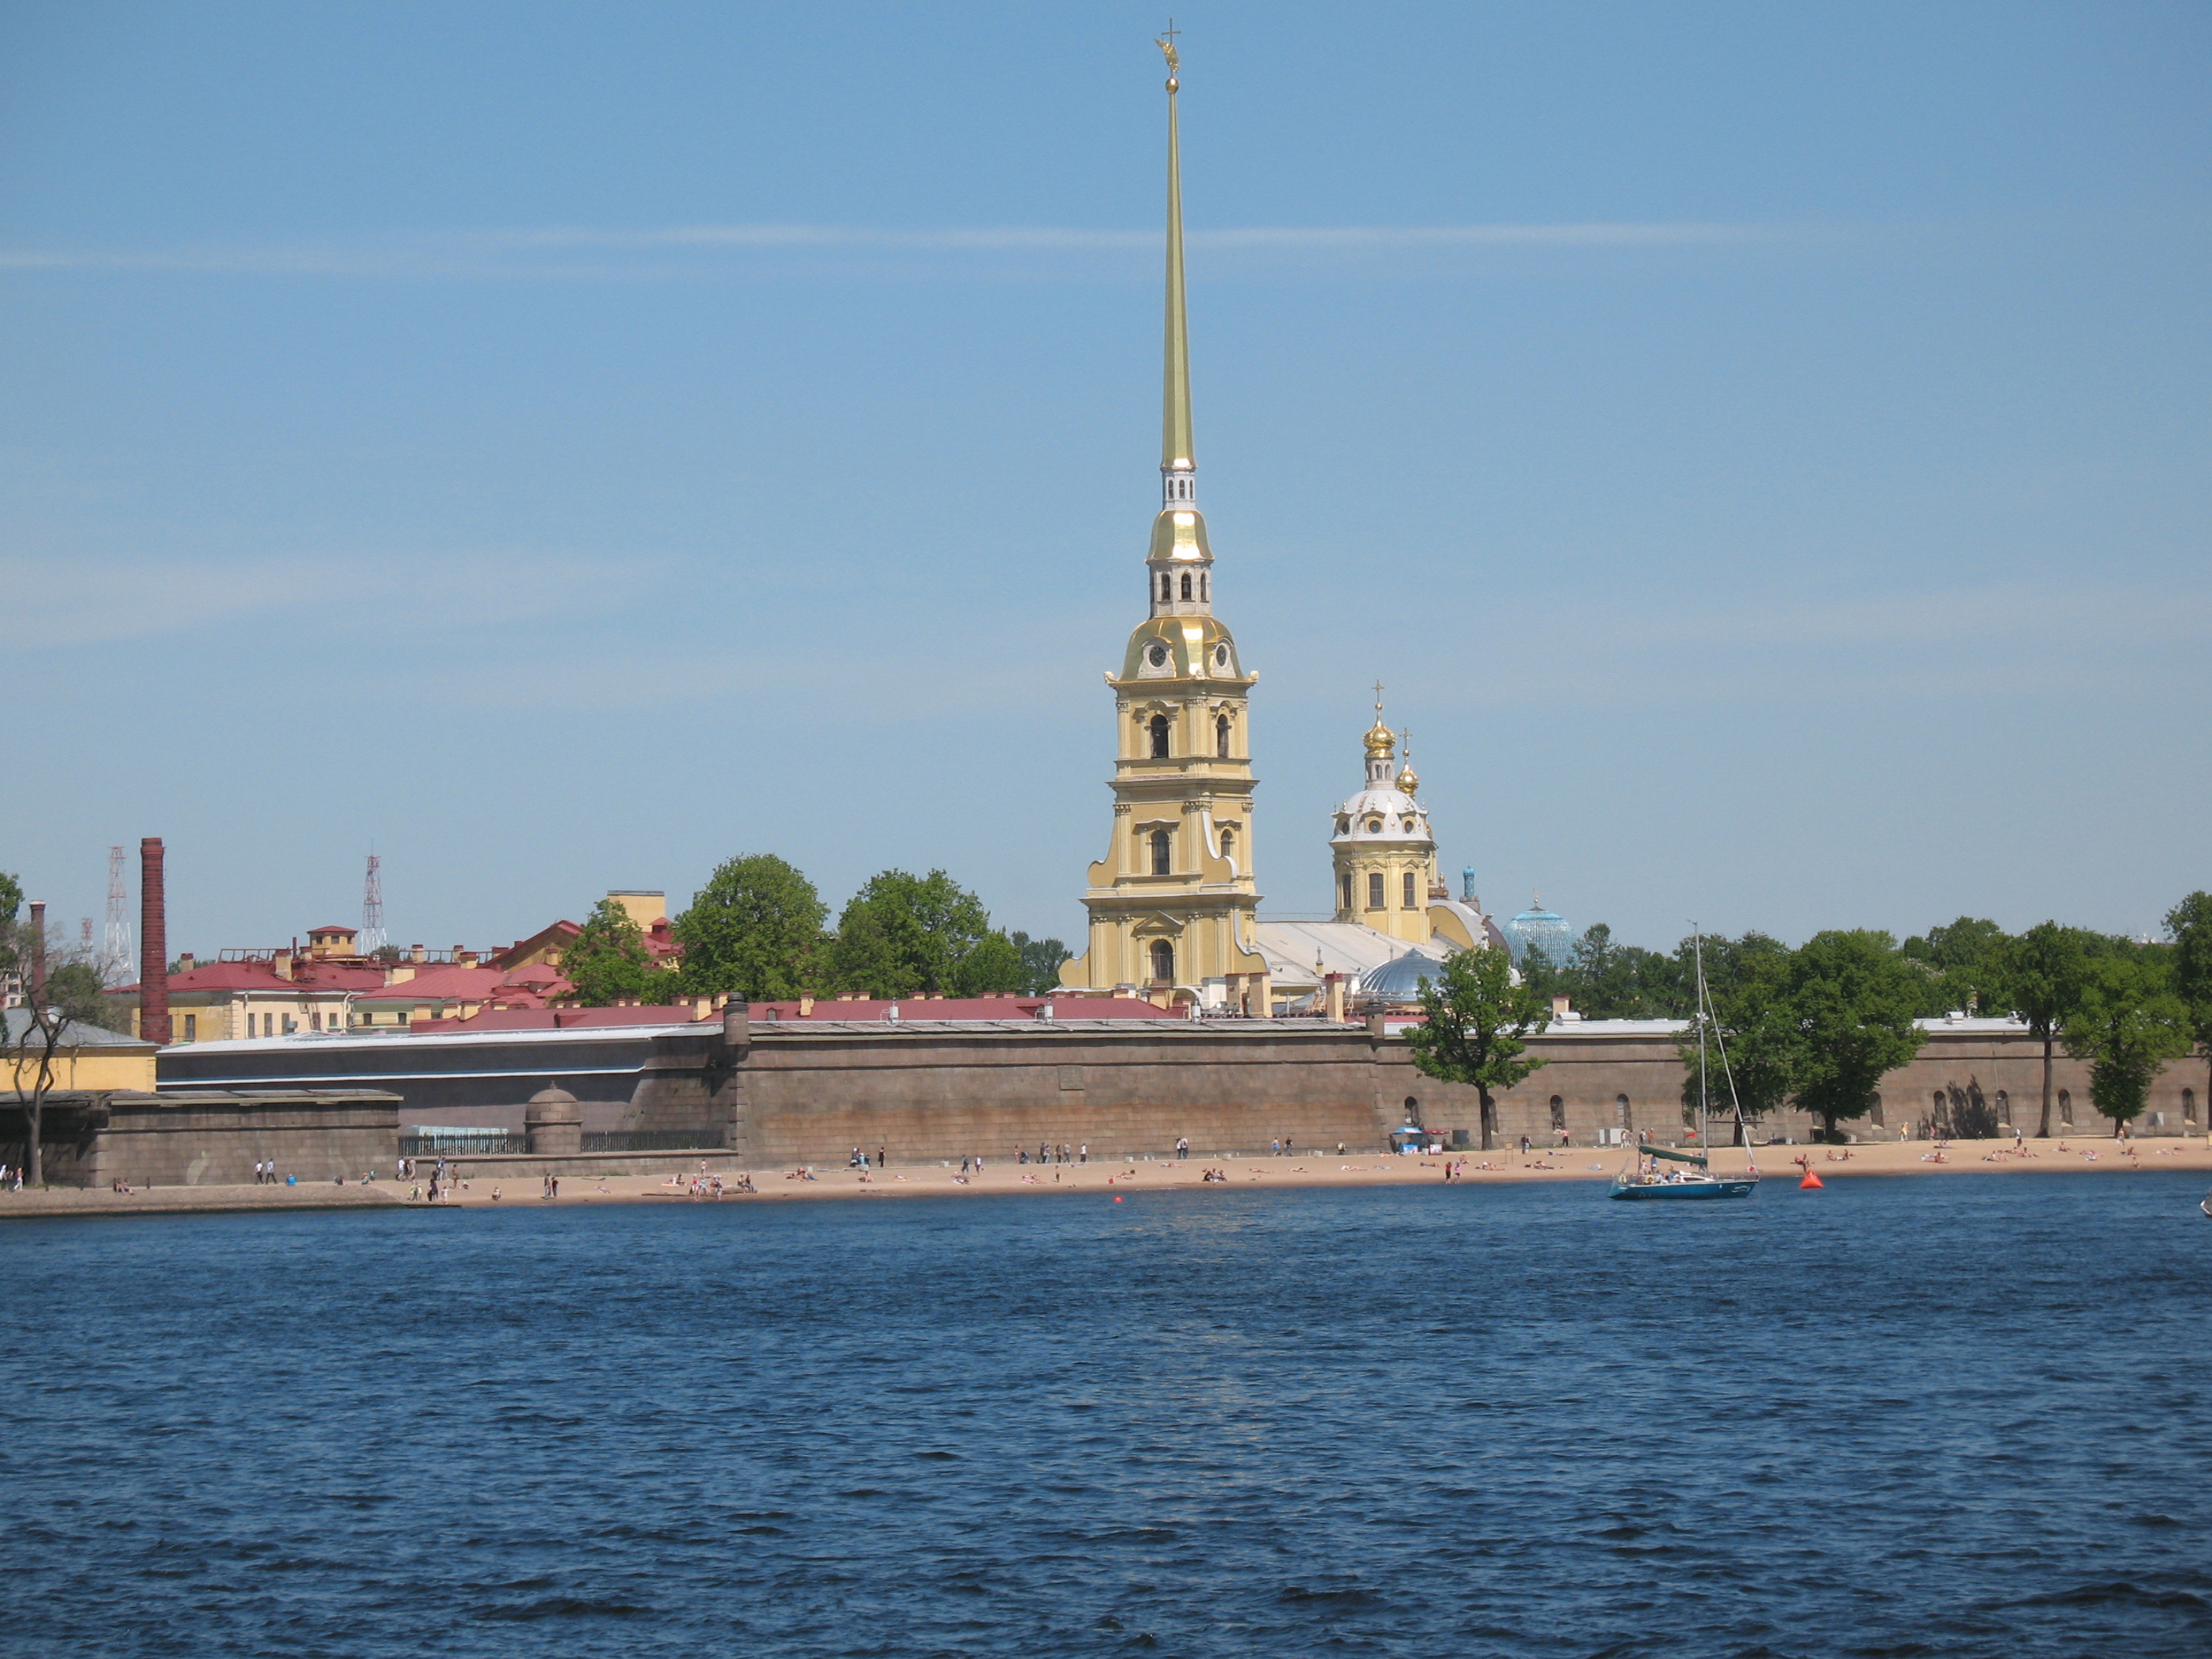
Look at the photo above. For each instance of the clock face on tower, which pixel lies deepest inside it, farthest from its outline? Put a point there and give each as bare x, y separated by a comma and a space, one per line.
1159, 656
1221, 656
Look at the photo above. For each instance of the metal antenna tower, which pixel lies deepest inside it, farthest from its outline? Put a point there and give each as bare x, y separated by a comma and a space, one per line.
372, 911
116, 966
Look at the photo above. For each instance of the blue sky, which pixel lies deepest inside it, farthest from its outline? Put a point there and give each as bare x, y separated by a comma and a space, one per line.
1763, 450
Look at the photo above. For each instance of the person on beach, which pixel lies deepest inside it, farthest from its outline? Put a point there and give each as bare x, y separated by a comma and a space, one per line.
1182, 1147
1083, 1153
883, 1159
1524, 1145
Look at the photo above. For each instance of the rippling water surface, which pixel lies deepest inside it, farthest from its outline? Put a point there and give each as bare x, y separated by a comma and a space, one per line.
1900, 1417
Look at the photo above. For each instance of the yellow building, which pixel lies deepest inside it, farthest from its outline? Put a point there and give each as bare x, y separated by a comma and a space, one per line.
1383, 856
87, 1057
1171, 904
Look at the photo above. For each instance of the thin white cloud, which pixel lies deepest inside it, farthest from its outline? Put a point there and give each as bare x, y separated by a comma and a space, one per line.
513, 253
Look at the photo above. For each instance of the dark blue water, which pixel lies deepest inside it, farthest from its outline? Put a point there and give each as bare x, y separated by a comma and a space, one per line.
1901, 1417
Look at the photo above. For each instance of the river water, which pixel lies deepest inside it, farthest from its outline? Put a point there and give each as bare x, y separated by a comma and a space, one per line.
1918, 1416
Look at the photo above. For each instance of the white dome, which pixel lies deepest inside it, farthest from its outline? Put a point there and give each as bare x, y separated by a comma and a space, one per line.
1403, 818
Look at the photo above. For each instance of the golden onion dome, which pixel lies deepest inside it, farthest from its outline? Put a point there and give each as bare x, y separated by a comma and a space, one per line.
1409, 781
1380, 740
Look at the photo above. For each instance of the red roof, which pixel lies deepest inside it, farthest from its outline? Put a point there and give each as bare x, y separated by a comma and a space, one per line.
447, 983
913, 1008
560, 1019
259, 974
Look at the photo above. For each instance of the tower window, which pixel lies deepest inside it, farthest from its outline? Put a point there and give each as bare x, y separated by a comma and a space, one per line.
1163, 853
1221, 737
1228, 843
1163, 962
1346, 885
1201, 584
1159, 730
1186, 584
1409, 891
1374, 826
1165, 591
1375, 890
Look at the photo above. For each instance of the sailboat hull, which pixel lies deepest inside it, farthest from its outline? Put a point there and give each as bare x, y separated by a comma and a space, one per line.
1674, 1192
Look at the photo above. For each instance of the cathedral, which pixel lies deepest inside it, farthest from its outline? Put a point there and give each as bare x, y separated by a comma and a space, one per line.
1174, 906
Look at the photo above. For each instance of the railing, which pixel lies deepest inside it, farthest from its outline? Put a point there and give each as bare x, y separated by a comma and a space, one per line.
653, 1140
491, 1143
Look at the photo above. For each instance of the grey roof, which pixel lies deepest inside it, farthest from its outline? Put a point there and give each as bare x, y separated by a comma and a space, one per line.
15, 1021
1399, 978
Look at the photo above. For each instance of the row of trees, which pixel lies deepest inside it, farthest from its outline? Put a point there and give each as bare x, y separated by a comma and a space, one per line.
1819, 1026
756, 930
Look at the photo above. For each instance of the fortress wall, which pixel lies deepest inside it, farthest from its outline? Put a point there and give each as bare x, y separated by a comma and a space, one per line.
924, 1095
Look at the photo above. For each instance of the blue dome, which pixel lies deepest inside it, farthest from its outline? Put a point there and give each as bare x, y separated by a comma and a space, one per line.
1545, 929
1399, 980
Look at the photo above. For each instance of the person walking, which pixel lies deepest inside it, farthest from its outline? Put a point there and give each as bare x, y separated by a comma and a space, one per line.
1083, 1153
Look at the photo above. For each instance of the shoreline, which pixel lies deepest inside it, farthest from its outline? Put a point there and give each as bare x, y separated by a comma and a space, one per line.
1777, 1165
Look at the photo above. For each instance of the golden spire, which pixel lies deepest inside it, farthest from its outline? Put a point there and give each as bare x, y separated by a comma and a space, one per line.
1176, 447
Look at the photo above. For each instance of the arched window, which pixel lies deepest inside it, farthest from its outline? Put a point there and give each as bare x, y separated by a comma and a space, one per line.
1347, 885
1159, 730
1163, 962
1375, 890
1186, 584
1413, 1110
1228, 843
2004, 1108
1167, 590
1408, 904
1221, 737
2066, 1108
1559, 1112
1162, 853
1628, 1113
1874, 1112
1201, 584
2189, 1105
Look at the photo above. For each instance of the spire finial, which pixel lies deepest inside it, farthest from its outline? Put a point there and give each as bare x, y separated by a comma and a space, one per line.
1176, 447
1379, 740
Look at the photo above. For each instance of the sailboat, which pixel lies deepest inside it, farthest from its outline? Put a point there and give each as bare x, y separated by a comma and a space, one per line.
1667, 1172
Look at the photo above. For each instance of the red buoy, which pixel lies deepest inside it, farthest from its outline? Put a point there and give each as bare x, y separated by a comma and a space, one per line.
1811, 1182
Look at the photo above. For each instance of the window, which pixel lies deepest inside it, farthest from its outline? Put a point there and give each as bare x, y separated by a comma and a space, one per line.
1159, 730
1374, 826
1874, 1112
1408, 904
1165, 591
1346, 885
1375, 890
1221, 737
1186, 584
1163, 962
2066, 1108
192, 1028
2189, 1105
1163, 853
1413, 1109
1228, 843
2004, 1108
1626, 1112
1201, 586
1559, 1112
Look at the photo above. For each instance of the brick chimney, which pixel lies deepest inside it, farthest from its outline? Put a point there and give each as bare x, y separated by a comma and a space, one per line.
153, 944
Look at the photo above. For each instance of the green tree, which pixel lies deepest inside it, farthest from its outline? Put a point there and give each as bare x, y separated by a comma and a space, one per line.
1475, 1028
34, 1034
2040, 973
2126, 1024
1856, 1000
993, 968
754, 930
1608, 981
1040, 962
607, 961
1961, 964
903, 935
1754, 1021
2189, 924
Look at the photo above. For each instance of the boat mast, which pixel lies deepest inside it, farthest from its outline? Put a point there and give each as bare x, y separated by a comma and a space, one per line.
1698, 946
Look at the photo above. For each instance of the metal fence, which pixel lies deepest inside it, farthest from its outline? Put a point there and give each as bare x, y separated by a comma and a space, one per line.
490, 1143
653, 1140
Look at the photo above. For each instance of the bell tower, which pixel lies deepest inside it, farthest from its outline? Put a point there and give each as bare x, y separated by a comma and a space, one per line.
1172, 903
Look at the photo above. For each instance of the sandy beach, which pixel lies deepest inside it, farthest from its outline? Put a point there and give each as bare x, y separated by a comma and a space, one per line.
1779, 1166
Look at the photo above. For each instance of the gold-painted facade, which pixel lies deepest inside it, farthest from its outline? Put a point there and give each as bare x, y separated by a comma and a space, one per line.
1171, 904
1383, 854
